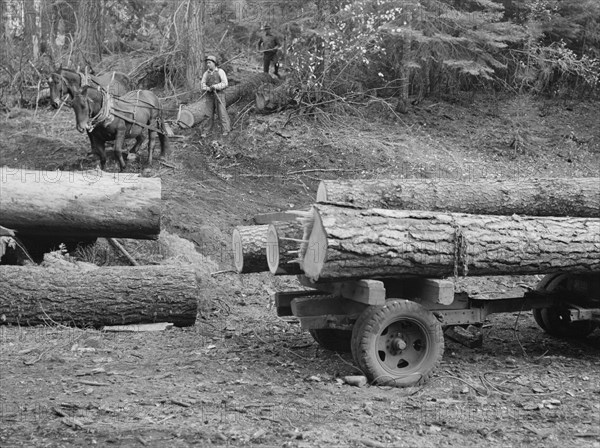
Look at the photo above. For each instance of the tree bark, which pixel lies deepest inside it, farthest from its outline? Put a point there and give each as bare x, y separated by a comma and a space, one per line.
84, 205
536, 197
404, 66
375, 243
32, 26
97, 296
249, 249
244, 91
90, 32
283, 247
194, 42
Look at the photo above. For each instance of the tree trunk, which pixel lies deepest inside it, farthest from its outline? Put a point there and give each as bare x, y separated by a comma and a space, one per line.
233, 94
249, 249
536, 197
194, 43
375, 243
90, 32
283, 247
32, 26
97, 296
404, 68
85, 204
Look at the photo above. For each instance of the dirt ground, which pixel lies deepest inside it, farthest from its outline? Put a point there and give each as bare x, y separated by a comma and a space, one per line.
244, 377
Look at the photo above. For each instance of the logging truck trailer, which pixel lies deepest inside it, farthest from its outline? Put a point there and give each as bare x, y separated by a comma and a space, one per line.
394, 327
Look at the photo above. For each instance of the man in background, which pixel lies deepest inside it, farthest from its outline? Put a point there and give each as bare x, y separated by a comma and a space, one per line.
269, 45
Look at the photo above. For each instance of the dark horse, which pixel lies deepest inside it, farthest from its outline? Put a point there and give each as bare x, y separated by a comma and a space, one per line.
106, 118
69, 82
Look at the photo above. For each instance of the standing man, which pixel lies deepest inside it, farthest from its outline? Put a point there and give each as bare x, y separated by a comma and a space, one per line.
269, 45
214, 82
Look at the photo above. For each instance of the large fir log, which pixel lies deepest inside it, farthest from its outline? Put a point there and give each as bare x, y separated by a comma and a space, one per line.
283, 247
377, 243
202, 108
84, 204
535, 197
269, 98
98, 296
249, 249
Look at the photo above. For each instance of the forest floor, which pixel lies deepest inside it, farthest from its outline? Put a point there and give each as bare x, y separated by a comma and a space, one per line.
243, 376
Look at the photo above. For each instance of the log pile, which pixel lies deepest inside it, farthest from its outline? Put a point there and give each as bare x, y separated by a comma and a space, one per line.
435, 229
59, 207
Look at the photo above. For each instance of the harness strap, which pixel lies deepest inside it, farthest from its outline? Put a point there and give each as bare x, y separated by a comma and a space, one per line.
123, 117
137, 101
106, 113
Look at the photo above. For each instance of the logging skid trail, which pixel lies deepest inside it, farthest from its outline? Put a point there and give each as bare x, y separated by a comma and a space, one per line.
241, 376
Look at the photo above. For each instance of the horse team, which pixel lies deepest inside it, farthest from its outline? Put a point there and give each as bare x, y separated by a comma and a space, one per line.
108, 109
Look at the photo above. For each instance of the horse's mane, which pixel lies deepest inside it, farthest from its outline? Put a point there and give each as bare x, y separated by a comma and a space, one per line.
70, 74
91, 92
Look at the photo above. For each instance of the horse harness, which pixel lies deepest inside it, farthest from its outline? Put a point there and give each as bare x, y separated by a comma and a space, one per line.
108, 112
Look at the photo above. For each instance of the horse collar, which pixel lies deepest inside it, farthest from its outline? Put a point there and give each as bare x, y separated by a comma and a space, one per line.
104, 115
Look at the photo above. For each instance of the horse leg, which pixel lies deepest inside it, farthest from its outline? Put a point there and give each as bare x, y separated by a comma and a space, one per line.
138, 142
119, 140
165, 149
151, 141
98, 148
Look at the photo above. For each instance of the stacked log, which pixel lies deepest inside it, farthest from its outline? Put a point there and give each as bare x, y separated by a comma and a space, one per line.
97, 296
283, 244
274, 246
347, 243
249, 249
535, 197
440, 228
68, 204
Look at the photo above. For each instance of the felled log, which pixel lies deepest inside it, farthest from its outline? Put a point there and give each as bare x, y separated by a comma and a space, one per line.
534, 197
269, 98
283, 247
79, 205
202, 108
98, 296
376, 243
249, 253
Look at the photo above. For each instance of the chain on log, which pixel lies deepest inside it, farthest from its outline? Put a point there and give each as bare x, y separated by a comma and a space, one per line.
376, 243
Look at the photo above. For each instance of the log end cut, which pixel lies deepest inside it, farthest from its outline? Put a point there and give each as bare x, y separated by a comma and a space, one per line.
272, 249
322, 192
315, 251
238, 254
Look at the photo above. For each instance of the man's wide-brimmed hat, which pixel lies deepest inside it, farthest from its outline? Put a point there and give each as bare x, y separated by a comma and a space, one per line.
266, 27
211, 58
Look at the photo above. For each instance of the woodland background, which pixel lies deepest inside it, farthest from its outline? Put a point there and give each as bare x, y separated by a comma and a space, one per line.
336, 49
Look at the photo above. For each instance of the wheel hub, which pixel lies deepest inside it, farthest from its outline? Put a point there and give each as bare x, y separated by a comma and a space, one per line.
398, 343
